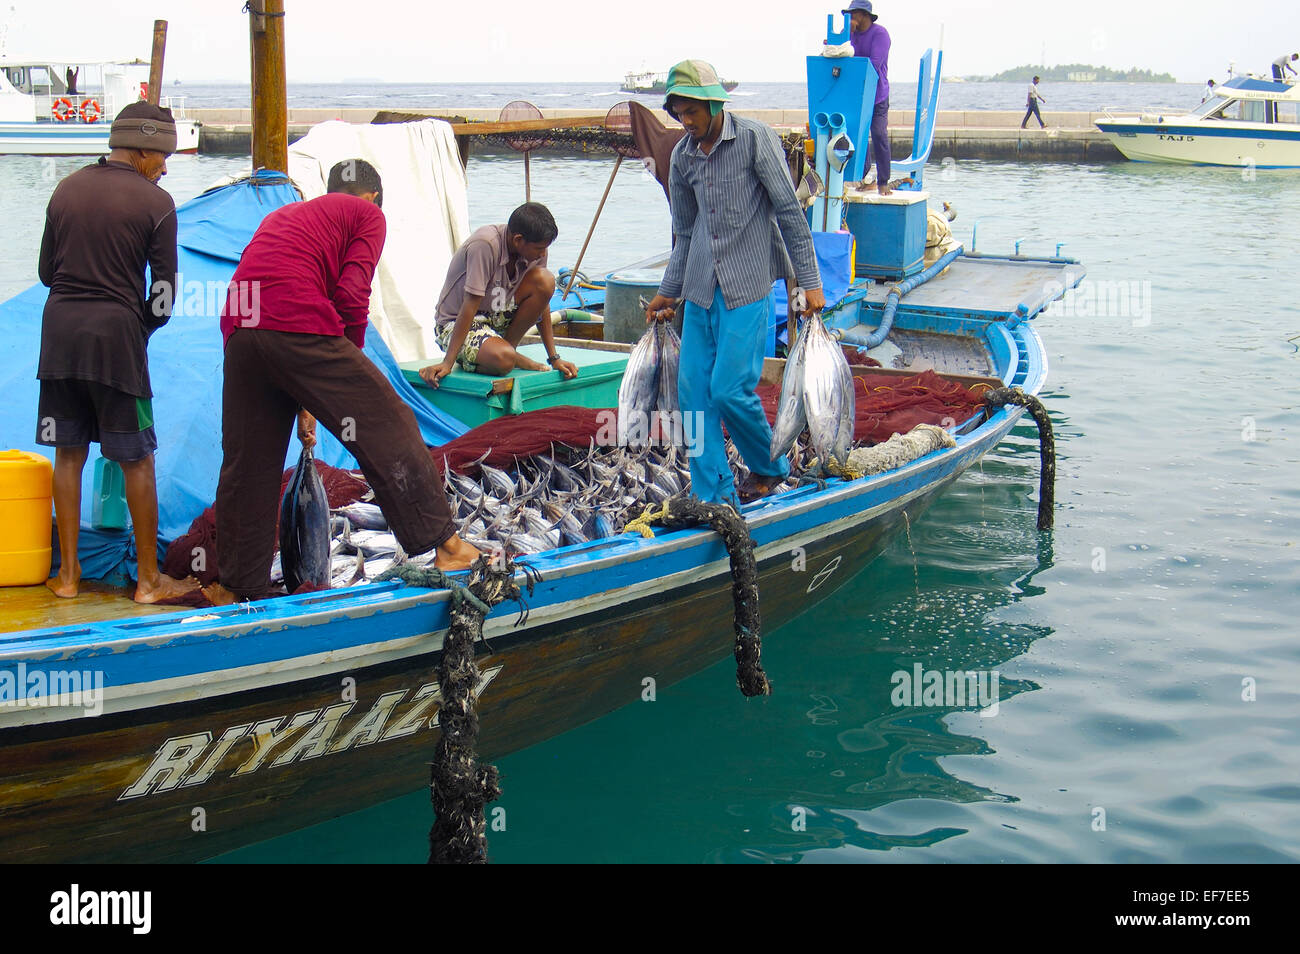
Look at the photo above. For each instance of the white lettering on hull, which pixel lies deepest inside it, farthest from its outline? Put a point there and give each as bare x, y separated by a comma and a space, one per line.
190, 760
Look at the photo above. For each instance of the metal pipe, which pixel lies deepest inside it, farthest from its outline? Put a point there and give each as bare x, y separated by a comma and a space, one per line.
834, 211
821, 135
896, 293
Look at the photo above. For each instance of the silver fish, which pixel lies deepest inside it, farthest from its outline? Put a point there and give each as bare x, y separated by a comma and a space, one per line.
823, 390
364, 516
639, 393
790, 416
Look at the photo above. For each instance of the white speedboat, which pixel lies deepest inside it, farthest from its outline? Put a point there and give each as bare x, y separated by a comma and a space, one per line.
1247, 122
43, 114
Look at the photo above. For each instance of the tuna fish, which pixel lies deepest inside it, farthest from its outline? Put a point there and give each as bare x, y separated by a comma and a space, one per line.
827, 393
790, 416
305, 527
638, 395
365, 516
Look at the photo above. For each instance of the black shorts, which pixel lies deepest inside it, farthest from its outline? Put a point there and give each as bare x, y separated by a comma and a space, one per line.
79, 413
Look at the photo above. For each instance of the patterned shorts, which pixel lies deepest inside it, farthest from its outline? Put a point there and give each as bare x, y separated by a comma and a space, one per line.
483, 328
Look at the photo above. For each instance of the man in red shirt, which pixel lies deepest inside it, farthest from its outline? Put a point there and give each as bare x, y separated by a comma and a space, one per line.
294, 324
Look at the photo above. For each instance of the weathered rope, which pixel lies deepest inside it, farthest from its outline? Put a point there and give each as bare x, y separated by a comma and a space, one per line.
680, 514
1046, 446
459, 786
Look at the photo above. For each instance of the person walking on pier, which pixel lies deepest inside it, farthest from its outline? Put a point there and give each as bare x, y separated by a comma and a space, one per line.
1034, 99
294, 325
497, 289
871, 40
734, 217
104, 224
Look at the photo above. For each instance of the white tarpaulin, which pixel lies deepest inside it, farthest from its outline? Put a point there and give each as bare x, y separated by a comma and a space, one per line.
427, 208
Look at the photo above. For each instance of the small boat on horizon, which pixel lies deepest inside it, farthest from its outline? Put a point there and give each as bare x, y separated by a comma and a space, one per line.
650, 82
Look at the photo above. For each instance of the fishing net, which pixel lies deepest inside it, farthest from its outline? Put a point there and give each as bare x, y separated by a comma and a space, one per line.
518, 111
885, 405
523, 435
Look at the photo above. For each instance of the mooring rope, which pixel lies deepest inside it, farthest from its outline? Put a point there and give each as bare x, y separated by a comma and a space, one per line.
730, 525
998, 397
459, 786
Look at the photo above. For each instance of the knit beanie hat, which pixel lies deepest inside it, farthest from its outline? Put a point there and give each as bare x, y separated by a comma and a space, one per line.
143, 126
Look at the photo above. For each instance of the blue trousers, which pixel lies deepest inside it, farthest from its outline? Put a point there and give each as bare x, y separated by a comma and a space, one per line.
722, 358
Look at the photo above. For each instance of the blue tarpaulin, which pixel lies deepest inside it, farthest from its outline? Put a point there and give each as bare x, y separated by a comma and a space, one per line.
185, 365
834, 261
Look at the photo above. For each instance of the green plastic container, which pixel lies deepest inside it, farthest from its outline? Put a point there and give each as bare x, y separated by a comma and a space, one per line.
475, 398
108, 507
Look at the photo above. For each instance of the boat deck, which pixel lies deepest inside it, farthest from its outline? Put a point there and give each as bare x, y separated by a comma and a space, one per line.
35, 607
917, 351
989, 286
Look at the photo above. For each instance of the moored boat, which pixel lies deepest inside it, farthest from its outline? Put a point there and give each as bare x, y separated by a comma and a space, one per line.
270, 716
1246, 122
42, 114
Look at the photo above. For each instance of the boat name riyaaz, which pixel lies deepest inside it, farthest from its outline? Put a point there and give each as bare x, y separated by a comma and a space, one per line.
188, 760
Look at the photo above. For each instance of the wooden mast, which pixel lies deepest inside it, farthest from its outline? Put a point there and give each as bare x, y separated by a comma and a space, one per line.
156, 61
270, 96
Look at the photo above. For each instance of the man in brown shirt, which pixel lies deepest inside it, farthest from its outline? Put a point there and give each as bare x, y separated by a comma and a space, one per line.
497, 288
104, 223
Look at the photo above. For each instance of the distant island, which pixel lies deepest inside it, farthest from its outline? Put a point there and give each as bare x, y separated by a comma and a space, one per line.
1075, 73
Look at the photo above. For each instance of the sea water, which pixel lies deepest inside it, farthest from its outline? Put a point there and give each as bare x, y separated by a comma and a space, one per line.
1146, 651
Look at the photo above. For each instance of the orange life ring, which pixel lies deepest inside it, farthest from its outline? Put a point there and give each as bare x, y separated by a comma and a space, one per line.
63, 109
90, 111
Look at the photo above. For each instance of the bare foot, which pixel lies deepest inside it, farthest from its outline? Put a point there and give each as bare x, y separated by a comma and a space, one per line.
455, 554
163, 588
884, 189
67, 583
218, 595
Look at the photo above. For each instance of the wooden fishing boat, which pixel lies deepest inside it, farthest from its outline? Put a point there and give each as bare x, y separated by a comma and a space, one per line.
262, 718
178, 735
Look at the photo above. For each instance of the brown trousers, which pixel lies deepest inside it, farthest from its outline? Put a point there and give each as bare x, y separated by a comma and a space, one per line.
269, 375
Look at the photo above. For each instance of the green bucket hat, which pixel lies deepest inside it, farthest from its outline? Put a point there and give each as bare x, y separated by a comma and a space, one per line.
696, 79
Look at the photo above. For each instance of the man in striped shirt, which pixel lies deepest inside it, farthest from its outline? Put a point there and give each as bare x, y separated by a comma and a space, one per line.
735, 217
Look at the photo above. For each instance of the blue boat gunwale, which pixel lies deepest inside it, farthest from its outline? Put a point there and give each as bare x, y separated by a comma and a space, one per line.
773, 521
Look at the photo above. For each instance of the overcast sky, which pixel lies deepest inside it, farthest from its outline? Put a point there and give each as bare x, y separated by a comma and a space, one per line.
453, 41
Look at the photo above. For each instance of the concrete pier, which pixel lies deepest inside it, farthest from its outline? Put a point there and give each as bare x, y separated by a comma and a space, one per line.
968, 134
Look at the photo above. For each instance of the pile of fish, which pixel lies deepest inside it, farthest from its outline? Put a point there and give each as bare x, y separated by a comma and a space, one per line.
817, 394
544, 502
648, 395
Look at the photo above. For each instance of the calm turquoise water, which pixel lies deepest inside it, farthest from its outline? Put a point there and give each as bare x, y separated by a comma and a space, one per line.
1122, 638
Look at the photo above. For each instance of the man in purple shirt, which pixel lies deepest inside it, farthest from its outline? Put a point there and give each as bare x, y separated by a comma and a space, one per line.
871, 40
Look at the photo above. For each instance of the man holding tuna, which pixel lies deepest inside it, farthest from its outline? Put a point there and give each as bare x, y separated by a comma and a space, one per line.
735, 217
